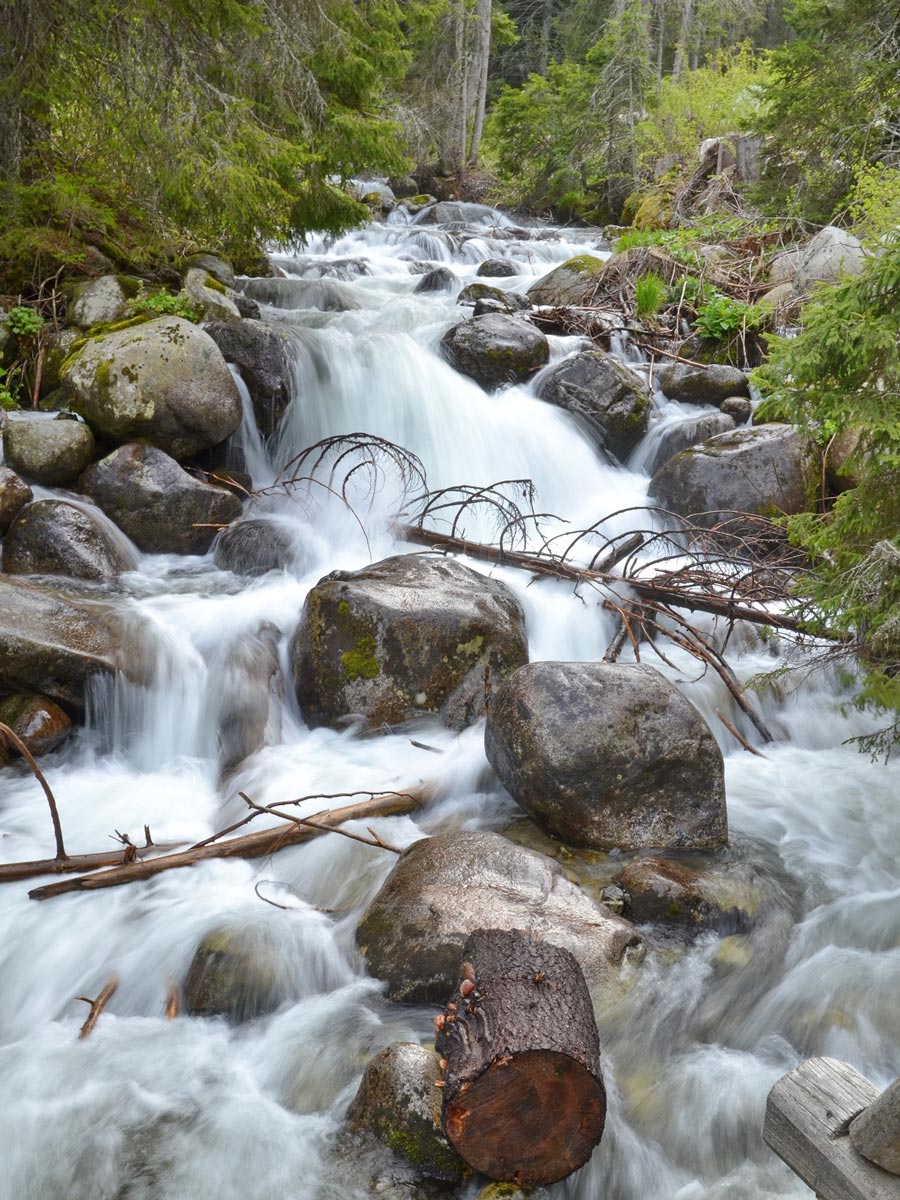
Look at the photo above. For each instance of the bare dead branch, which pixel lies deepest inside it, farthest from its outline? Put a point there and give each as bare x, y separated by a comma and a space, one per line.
98, 1005
13, 739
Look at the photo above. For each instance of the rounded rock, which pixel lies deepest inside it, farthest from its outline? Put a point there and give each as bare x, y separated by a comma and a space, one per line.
253, 547
702, 385
14, 494
441, 279
56, 537
497, 268
41, 724
52, 452
495, 350
603, 396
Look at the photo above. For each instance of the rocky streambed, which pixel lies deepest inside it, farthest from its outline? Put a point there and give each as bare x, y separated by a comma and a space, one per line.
194, 606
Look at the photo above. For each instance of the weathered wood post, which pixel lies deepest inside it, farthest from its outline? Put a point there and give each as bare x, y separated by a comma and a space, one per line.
523, 1097
826, 1121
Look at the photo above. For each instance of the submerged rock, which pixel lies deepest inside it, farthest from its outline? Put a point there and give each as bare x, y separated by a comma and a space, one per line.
399, 1105
14, 493
495, 350
163, 380
254, 546
608, 755
406, 636
604, 396
247, 679
569, 283
41, 724
688, 432
441, 279
55, 537
445, 887
53, 452
235, 974
162, 508
670, 893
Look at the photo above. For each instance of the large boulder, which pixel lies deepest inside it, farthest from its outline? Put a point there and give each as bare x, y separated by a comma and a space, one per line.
443, 888
687, 432
830, 254
604, 396
702, 385
51, 645
768, 470
162, 508
53, 452
163, 380
55, 537
41, 724
405, 637
455, 212
608, 755
98, 302
258, 350
14, 493
568, 283
495, 350
399, 1104
220, 270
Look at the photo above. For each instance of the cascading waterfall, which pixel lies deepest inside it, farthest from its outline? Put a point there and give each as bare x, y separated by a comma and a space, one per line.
150, 1109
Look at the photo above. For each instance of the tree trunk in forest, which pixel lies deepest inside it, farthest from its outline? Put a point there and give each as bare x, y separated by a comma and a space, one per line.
544, 47
684, 37
482, 57
523, 1097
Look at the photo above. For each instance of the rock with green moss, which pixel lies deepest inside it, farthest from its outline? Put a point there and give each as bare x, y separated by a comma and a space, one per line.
405, 637
209, 296
495, 350
608, 755
607, 399
670, 893
443, 888
53, 452
59, 345
51, 645
213, 265
98, 302
41, 724
511, 302
702, 385
14, 493
55, 537
569, 283
164, 380
767, 470
162, 508
261, 353
399, 1105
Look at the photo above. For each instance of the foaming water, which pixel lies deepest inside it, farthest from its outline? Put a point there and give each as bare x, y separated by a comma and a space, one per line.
151, 1109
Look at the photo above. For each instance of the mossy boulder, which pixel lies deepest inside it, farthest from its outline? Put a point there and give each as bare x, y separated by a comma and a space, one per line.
213, 265
209, 296
495, 350
607, 399
162, 508
767, 470
51, 451
608, 755
702, 385
59, 346
164, 380
666, 892
260, 352
398, 1104
678, 435
56, 537
98, 302
569, 283
405, 637
443, 888
41, 724
51, 645
14, 493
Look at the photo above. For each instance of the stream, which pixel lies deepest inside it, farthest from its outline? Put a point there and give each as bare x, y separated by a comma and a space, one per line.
196, 1109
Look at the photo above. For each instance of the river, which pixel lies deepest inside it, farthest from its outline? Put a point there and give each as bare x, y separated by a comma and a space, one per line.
192, 1109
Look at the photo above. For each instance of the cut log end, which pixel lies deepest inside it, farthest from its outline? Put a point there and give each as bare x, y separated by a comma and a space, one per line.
509, 1136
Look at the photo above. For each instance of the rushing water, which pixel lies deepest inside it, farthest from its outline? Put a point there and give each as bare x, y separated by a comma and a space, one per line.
155, 1109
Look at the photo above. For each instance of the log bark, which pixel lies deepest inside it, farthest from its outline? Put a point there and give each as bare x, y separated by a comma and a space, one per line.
523, 1096
250, 845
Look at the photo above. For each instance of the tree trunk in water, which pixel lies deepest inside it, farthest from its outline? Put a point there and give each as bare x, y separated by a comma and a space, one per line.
523, 1097
482, 58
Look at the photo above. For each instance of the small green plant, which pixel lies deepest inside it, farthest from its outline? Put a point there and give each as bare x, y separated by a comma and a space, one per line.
649, 295
721, 316
687, 290
7, 398
24, 322
165, 304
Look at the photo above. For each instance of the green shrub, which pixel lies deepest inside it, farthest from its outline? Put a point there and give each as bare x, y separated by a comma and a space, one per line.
24, 322
165, 304
649, 295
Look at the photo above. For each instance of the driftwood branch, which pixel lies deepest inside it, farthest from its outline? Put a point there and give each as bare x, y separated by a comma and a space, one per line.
312, 823
250, 845
13, 739
73, 863
739, 736
98, 1005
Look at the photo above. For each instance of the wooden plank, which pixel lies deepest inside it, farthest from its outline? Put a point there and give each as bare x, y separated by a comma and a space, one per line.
808, 1116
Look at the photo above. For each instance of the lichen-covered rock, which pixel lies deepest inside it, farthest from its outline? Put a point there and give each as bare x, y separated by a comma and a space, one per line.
259, 351
254, 547
41, 724
398, 1104
14, 494
608, 755
441, 279
739, 408
163, 380
213, 265
98, 302
443, 888
495, 350
569, 283
209, 296
833, 252
702, 385
53, 452
689, 432
162, 508
404, 637
669, 893
604, 396
56, 537
50, 645
497, 268
768, 470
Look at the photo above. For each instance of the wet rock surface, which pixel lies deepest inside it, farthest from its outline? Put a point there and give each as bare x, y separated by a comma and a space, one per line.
608, 756
55, 537
14, 493
688, 433
258, 350
568, 283
41, 724
254, 546
702, 385
604, 396
51, 452
443, 888
441, 279
405, 637
670, 893
495, 350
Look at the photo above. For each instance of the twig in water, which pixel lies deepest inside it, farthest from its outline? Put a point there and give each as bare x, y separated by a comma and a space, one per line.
173, 1000
275, 810
14, 740
732, 730
98, 1005
294, 892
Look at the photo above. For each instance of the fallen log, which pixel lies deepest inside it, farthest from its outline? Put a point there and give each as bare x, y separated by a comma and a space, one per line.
74, 863
523, 1097
250, 845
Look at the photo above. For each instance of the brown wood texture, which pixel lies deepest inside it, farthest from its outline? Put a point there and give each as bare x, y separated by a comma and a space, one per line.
808, 1116
523, 1097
